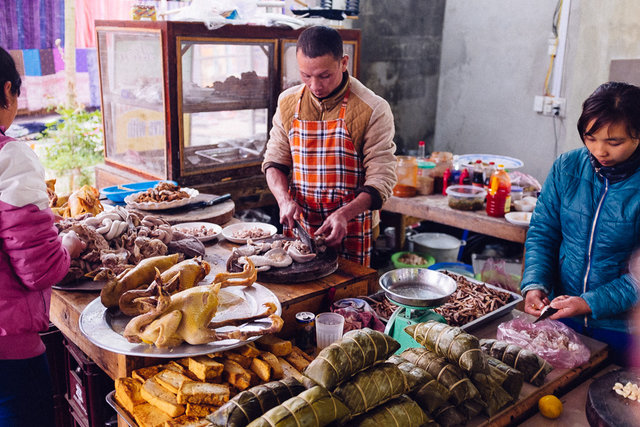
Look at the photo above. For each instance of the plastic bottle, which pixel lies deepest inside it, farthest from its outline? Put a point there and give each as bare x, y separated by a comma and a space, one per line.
421, 150
478, 174
499, 196
464, 177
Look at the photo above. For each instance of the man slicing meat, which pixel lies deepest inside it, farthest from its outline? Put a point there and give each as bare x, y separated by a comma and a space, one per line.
335, 136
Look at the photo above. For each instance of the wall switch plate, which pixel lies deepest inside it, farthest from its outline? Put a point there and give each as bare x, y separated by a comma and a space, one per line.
549, 105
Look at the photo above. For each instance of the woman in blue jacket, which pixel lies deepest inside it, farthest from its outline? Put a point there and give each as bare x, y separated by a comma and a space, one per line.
587, 223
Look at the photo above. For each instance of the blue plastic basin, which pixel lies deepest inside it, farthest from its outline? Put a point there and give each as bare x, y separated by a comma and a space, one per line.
117, 193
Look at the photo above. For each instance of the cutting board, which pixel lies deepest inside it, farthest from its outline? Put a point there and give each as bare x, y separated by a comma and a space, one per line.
217, 214
605, 407
322, 265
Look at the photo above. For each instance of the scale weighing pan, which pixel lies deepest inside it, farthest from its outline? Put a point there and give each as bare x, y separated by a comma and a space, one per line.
417, 287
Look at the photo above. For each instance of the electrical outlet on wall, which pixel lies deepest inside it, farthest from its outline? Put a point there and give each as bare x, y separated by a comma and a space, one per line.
549, 105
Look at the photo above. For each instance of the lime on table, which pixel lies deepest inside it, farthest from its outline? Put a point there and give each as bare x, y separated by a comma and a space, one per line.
550, 406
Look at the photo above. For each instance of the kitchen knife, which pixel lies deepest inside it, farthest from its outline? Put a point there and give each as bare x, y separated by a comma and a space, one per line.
546, 312
304, 236
197, 205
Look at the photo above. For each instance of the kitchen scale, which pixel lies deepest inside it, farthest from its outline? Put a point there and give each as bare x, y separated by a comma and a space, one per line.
416, 291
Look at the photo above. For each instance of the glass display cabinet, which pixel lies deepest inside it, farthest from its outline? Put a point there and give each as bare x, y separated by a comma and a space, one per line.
193, 105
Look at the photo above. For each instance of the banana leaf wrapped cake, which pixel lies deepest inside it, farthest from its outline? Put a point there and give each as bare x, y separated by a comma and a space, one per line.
315, 407
533, 367
427, 391
457, 346
400, 412
450, 376
512, 380
252, 403
356, 351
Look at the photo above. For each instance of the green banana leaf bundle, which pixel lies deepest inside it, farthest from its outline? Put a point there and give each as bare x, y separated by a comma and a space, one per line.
372, 387
315, 407
252, 403
457, 346
493, 395
534, 367
428, 393
470, 408
458, 385
449, 416
357, 350
400, 412
415, 376
512, 379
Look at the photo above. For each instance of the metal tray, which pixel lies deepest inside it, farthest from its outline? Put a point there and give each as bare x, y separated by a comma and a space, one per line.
103, 327
505, 309
111, 400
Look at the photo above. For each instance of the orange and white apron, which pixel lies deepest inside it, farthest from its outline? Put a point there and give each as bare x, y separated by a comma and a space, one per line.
327, 171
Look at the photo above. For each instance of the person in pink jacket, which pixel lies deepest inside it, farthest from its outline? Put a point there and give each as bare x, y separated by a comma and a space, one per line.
32, 259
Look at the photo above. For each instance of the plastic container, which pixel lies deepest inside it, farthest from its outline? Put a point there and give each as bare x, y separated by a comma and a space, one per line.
395, 259
499, 196
425, 179
329, 328
442, 247
421, 150
466, 197
516, 193
407, 173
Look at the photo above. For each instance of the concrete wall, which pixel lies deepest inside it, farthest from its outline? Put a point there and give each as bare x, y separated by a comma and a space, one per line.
400, 61
494, 61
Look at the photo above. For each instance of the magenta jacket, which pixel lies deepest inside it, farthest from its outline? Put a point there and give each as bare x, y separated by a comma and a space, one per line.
32, 258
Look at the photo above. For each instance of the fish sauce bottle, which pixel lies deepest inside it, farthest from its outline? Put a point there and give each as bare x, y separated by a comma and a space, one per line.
499, 195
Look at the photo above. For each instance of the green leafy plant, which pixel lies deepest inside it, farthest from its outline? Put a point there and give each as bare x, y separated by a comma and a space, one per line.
74, 144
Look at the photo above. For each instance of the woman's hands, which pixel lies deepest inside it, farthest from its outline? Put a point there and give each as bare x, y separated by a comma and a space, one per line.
567, 306
535, 301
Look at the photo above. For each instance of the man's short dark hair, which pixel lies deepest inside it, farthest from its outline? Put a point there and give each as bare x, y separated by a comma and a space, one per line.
8, 73
319, 41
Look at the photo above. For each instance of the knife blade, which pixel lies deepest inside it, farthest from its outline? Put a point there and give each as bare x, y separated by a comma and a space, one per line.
546, 312
304, 236
197, 205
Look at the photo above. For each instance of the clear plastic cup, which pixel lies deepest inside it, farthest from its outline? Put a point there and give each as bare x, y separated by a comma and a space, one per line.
328, 329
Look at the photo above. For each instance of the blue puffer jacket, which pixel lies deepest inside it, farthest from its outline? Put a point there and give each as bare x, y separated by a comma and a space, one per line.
581, 236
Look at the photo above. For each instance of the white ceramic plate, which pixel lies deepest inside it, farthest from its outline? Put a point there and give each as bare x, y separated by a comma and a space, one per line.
518, 218
203, 231
104, 327
507, 162
156, 206
231, 232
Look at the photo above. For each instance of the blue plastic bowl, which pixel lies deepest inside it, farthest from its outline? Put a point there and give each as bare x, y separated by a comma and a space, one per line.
117, 193
454, 267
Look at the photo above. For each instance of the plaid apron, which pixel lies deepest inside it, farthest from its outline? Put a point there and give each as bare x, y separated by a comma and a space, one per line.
327, 171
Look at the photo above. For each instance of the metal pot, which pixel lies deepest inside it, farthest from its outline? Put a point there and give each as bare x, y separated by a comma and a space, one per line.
443, 247
417, 287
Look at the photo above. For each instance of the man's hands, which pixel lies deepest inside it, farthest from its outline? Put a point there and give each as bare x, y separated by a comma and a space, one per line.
334, 228
568, 306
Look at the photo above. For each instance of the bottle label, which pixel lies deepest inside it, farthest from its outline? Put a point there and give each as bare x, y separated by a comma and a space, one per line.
507, 204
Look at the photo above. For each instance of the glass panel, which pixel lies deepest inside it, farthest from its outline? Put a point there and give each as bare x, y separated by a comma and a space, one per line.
226, 95
133, 99
290, 73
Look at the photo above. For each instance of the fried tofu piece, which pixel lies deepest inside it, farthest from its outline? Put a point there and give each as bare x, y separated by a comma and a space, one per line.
187, 421
262, 369
205, 368
171, 380
144, 374
161, 398
203, 393
274, 345
289, 370
147, 415
128, 393
299, 361
241, 360
201, 411
277, 372
248, 350
236, 375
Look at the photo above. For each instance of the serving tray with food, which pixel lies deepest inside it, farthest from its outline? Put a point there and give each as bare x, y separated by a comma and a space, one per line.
163, 195
281, 259
203, 231
159, 309
244, 231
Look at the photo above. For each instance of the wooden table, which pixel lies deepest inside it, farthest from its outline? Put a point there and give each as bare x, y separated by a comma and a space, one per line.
349, 280
435, 208
558, 381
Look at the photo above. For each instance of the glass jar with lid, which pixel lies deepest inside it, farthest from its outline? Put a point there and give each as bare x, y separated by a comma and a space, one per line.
407, 174
425, 178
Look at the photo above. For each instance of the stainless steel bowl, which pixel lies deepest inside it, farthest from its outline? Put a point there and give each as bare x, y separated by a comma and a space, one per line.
417, 287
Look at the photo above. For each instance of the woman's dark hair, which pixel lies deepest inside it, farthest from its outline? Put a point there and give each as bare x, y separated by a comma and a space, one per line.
319, 41
611, 103
8, 73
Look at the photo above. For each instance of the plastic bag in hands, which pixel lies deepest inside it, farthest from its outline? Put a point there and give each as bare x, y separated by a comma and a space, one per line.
550, 339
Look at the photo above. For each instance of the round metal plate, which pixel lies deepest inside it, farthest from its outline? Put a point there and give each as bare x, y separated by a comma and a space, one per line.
417, 287
103, 327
